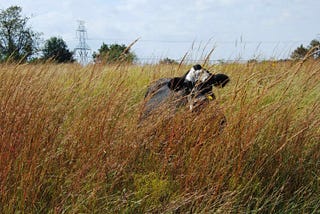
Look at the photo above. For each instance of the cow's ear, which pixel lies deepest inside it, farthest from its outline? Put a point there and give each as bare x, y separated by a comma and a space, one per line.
176, 83
219, 80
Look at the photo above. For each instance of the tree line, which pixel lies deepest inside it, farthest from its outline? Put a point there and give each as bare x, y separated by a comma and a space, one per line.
19, 43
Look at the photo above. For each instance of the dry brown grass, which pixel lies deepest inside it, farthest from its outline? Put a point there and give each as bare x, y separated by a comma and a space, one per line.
71, 142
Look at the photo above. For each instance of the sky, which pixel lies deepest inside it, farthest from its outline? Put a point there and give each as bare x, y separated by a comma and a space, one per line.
233, 29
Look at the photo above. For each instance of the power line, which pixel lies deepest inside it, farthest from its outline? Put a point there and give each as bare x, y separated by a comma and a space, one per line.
217, 42
201, 41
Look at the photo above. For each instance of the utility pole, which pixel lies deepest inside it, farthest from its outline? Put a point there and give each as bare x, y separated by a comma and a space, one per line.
82, 49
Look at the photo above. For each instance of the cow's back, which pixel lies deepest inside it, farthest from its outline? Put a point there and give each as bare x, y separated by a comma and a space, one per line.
161, 99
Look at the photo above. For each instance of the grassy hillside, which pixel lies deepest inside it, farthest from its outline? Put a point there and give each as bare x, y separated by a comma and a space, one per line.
71, 141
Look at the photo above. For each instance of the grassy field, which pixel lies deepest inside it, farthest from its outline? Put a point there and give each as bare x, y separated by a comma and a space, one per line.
71, 141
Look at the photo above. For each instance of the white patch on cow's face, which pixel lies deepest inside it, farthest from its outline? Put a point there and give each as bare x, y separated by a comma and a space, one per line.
197, 75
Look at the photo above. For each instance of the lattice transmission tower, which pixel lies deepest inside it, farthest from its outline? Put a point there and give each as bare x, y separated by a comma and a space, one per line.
82, 49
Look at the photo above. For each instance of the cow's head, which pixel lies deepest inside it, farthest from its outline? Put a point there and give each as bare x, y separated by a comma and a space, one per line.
197, 84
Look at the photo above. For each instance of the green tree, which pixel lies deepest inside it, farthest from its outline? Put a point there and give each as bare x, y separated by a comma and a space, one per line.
299, 52
114, 53
315, 46
17, 41
56, 49
167, 61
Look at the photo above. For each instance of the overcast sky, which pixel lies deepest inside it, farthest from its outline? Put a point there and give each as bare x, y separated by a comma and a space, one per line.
236, 29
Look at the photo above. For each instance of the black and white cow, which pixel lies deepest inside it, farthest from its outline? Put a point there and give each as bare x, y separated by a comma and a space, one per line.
193, 89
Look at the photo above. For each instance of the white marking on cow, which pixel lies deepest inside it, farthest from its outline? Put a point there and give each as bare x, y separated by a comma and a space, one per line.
197, 75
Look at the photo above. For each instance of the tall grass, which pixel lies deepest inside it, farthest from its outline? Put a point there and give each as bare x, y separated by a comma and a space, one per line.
71, 141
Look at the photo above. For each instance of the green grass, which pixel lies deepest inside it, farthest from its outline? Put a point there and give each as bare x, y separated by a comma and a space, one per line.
71, 141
